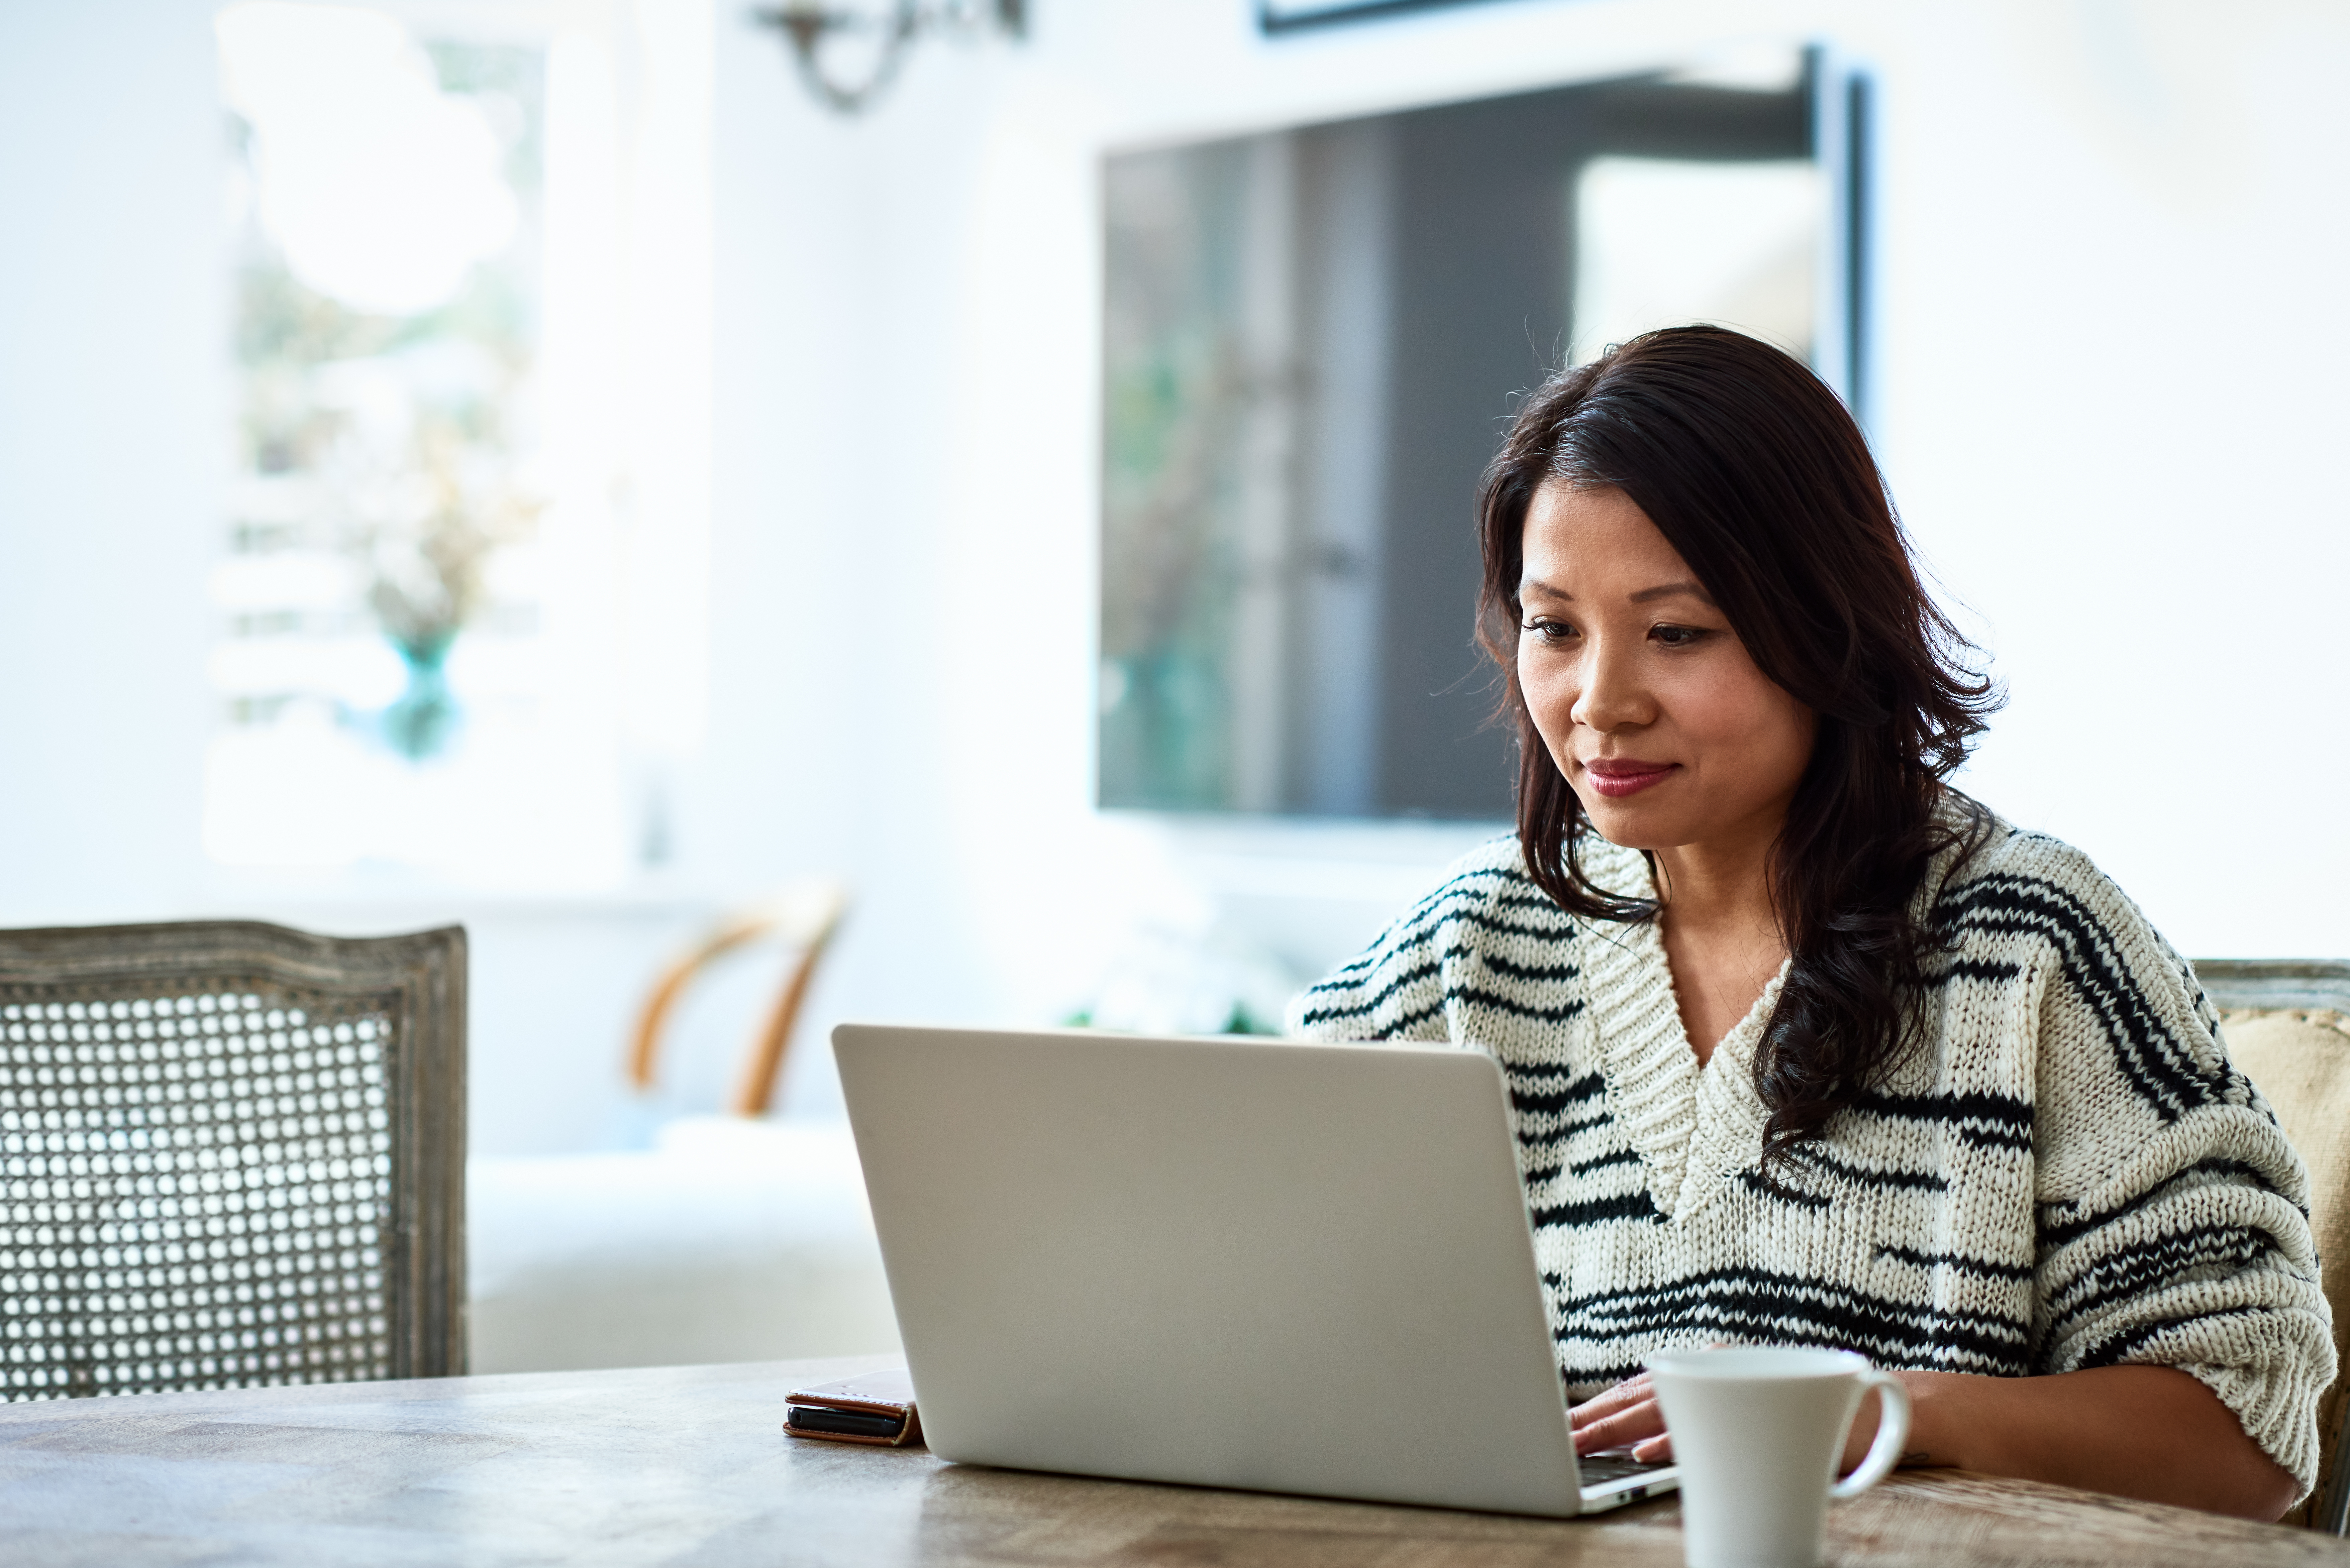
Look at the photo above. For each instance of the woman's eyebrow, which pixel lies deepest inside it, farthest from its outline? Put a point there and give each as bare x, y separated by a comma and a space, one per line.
1668, 590
1535, 586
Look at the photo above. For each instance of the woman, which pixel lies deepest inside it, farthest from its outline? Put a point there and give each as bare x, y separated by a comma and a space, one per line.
1802, 1047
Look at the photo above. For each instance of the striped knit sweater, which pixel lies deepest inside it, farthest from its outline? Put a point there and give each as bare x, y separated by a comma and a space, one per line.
2070, 1176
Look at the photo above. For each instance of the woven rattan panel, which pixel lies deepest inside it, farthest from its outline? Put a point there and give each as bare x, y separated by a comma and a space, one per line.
195, 1189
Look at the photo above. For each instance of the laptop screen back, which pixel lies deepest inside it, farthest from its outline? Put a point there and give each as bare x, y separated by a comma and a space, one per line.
1281, 1266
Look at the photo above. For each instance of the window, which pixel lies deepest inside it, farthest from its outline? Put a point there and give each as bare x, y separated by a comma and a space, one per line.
440, 500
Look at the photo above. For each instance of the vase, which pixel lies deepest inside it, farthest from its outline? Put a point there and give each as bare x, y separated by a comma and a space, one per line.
422, 720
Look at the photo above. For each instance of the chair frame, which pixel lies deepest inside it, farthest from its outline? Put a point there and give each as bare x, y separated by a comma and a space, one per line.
804, 916
2276, 984
2293, 985
422, 974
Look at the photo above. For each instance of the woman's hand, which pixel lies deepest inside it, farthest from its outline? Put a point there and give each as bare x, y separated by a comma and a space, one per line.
1625, 1417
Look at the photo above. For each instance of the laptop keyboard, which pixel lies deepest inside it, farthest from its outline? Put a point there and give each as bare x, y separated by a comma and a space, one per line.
1603, 1468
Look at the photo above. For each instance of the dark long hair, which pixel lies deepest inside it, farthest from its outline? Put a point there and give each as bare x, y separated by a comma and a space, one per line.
1756, 474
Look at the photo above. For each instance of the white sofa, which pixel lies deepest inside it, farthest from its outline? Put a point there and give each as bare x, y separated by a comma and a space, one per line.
730, 1240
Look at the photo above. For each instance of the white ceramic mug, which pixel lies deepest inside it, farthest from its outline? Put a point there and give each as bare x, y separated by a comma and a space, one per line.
1756, 1433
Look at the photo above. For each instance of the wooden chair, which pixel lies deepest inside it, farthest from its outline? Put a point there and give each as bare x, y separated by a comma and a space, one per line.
802, 917
231, 1154
2288, 1028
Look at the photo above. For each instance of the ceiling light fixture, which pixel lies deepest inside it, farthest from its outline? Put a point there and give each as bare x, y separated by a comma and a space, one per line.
877, 36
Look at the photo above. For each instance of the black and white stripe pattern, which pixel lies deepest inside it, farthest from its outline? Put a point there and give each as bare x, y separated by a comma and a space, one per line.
2073, 1176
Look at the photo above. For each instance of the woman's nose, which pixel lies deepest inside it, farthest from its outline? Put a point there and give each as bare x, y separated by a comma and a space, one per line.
1613, 694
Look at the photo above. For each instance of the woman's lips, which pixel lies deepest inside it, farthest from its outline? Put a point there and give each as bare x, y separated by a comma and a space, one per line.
1616, 778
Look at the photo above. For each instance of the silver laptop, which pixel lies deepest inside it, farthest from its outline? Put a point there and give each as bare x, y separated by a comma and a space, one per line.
1281, 1266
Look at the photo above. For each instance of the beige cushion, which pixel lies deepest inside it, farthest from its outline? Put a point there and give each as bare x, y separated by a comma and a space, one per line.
2300, 1063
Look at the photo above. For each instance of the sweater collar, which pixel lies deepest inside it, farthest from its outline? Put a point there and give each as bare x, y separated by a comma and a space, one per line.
1686, 1124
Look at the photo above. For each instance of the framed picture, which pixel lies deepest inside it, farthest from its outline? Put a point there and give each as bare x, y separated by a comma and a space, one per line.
1291, 15
1313, 338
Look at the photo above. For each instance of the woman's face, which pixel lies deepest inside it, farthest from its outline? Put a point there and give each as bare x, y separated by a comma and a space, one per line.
1666, 731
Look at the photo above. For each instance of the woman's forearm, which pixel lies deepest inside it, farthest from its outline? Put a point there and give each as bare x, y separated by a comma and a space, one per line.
2150, 1432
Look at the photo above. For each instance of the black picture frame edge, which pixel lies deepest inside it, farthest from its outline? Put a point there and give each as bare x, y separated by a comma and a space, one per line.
1272, 25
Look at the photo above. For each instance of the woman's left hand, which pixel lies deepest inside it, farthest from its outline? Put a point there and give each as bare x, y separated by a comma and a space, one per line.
2152, 1432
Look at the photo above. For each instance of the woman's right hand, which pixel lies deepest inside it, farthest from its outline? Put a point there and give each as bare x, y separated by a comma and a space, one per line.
1624, 1417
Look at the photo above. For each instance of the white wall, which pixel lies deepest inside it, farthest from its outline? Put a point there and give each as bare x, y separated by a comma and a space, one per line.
2112, 420
2110, 259
114, 445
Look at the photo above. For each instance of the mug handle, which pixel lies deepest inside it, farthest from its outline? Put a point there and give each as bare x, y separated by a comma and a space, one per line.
1892, 1431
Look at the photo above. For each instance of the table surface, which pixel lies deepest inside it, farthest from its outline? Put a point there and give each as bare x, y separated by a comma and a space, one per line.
691, 1465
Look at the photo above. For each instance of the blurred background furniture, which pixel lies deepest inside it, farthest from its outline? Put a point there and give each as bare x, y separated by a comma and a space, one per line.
732, 1238
2287, 1025
802, 917
233, 1156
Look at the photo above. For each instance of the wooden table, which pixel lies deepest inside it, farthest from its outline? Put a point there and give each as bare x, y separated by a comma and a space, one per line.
689, 1465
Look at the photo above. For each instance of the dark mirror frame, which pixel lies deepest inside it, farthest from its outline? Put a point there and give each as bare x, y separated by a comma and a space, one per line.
1468, 326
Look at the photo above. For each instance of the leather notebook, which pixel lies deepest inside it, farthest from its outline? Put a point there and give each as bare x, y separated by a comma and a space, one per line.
877, 1408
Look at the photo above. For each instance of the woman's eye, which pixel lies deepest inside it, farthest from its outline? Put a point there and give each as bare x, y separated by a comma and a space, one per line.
1549, 630
1679, 636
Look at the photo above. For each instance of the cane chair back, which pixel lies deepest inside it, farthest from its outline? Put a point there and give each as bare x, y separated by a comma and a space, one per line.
802, 918
2287, 1026
231, 1154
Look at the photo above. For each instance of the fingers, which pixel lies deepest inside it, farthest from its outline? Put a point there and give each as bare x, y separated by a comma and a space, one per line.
1624, 1416
1632, 1391
1639, 1424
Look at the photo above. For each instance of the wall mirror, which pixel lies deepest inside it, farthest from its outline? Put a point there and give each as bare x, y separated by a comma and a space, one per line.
1312, 340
